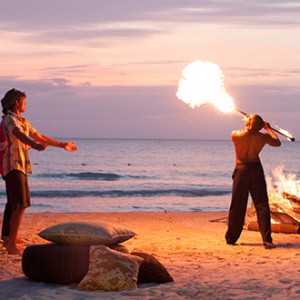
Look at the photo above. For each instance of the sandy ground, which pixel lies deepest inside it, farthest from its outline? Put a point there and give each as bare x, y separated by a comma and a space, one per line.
192, 248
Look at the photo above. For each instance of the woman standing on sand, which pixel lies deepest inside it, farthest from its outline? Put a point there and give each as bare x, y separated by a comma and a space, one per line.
7, 210
19, 134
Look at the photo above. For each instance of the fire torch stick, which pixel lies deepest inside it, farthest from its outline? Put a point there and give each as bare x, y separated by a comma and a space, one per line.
288, 136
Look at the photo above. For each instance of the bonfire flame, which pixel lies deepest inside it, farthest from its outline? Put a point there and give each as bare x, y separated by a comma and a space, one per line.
202, 82
283, 183
279, 186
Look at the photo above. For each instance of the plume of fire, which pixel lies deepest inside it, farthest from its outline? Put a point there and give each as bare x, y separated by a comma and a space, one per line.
202, 82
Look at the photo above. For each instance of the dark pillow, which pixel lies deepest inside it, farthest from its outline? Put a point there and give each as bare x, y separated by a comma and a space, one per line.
56, 263
64, 264
151, 270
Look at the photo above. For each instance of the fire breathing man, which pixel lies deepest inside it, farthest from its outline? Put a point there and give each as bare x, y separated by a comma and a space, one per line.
248, 176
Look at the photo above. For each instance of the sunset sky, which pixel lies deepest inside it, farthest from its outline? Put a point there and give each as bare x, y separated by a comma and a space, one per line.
110, 69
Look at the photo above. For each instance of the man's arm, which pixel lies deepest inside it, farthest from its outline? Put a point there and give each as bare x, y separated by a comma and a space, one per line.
273, 139
26, 140
69, 146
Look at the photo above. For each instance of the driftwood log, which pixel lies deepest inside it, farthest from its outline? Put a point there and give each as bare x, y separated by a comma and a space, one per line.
278, 228
284, 219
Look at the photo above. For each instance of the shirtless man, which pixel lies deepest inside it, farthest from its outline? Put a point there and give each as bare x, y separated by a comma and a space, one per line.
248, 176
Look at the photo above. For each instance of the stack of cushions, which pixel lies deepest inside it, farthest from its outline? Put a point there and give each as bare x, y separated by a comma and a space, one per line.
90, 255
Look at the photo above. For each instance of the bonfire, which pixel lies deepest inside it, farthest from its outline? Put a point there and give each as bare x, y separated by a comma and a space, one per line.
284, 200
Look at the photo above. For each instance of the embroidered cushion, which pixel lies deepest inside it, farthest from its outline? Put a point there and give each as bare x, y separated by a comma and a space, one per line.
110, 270
86, 233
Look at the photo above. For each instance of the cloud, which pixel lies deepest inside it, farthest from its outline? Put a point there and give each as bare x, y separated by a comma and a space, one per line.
261, 72
79, 19
100, 37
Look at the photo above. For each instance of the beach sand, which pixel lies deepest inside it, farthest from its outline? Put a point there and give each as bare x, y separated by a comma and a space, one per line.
192, 248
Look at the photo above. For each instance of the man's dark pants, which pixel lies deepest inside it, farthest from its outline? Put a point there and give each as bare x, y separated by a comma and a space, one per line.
247, 178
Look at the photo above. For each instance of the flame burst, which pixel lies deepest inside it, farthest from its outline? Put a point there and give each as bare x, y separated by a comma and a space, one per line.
202, 82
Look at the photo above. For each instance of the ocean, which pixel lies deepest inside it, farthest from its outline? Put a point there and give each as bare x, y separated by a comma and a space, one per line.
125, 175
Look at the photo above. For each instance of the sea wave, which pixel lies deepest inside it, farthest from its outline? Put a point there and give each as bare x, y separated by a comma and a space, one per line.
128, 193
90, 176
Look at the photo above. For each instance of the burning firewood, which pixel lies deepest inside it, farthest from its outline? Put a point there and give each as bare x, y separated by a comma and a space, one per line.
283, 218
285, 214
291, 197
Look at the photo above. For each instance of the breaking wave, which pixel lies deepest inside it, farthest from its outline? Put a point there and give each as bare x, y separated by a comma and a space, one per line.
90, 176
128, 193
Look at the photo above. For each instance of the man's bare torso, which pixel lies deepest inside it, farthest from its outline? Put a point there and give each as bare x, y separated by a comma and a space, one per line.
248, 145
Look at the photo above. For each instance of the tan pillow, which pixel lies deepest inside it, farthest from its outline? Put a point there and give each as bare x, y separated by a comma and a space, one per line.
86, 233
110, 270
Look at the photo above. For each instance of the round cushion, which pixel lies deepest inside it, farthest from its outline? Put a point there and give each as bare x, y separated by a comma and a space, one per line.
64, 264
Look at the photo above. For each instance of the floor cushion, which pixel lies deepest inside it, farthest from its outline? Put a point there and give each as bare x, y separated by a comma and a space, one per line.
110, 270
64, 264
151, 270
